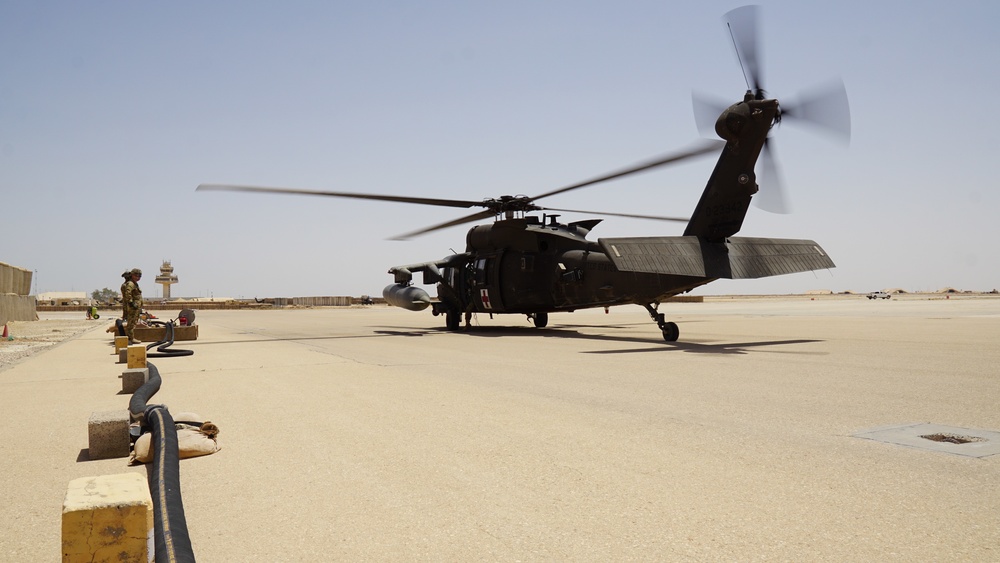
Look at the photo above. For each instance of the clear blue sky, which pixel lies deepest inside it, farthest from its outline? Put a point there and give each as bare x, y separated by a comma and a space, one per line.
111, 113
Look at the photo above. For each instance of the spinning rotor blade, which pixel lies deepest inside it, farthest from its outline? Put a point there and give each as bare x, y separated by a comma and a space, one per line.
494, 206
467, 219
628, 215
707, 110
824, 107
700, 149
398, 199
771, 196
742, 25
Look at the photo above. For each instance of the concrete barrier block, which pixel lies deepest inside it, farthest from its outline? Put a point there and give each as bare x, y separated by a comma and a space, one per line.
108, 433
136, 356
121, 342
123, 356
133, 378
107, 518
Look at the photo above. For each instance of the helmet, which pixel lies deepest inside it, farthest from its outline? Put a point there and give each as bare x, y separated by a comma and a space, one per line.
135, 272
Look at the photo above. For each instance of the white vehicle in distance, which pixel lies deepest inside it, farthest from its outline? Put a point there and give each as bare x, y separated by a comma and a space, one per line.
878, 295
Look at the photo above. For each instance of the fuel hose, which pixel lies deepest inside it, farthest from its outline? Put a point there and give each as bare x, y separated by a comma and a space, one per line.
163, 346
171, 541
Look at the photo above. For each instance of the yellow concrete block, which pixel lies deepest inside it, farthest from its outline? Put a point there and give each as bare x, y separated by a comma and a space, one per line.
136, 356
121, 342
107, 518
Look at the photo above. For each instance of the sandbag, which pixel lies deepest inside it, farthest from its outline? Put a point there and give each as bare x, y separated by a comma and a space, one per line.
193, 439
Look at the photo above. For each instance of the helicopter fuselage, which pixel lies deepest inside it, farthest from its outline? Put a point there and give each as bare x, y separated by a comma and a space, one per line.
526, 265
533, 266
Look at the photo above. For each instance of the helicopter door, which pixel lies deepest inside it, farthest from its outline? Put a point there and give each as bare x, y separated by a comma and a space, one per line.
455, 286
524, 284
487, 293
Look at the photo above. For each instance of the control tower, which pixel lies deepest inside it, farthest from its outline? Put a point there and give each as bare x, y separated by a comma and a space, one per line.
166, 278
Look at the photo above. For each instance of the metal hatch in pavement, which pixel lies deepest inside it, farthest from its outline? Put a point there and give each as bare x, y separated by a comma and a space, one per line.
938, 438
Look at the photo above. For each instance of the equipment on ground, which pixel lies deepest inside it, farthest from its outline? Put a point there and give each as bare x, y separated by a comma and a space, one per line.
530, 265
185, 317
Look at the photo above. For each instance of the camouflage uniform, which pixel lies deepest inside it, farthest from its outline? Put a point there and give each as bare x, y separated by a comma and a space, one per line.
131, 305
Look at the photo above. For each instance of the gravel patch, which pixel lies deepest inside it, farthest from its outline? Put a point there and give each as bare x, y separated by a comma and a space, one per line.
30, 337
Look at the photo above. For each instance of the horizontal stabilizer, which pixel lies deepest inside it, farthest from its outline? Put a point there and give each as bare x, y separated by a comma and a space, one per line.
737, 258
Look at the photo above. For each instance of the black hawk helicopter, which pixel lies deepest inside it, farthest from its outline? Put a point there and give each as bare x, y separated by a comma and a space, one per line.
530, 265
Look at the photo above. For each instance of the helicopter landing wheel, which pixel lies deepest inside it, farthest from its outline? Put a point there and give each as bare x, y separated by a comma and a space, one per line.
668, 328
452, 319
540, 319
670, 331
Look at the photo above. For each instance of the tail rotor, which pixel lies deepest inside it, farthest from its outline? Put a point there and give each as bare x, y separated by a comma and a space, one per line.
825, 108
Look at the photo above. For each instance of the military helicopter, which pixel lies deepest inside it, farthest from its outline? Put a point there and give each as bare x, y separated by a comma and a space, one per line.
530, 265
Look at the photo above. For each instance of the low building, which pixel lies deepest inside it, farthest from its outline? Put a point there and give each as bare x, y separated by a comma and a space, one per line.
63, 298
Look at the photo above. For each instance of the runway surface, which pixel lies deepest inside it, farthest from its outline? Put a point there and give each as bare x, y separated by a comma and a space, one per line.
373, 434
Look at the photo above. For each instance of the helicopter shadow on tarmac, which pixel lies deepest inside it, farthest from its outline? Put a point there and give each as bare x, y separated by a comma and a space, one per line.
570, 332
735, 348
652, 344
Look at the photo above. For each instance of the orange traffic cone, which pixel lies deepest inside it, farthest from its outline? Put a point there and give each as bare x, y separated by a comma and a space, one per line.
5, 331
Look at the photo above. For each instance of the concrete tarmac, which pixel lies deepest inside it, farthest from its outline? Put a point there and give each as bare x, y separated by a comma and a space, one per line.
375, 435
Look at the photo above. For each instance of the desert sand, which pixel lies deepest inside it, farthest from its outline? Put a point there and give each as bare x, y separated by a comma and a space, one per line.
373, 434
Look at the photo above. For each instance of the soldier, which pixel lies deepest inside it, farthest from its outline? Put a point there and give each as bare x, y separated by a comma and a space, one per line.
131, 301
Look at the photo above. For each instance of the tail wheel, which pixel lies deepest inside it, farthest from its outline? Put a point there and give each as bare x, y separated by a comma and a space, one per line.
670, 331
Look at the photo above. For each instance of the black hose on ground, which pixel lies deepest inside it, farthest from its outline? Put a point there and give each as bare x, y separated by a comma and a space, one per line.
138, 404
171, 540
170, 534
163, 345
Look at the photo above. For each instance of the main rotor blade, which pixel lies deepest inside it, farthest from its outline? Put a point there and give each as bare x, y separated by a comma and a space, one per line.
698, 150
825, 107
742, 25
628, 215
467, 219
772, 188
393, 198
